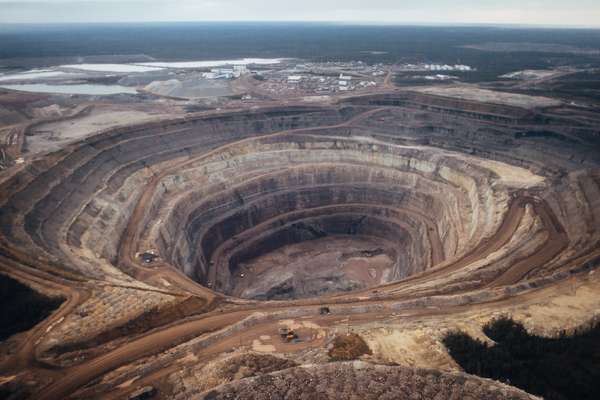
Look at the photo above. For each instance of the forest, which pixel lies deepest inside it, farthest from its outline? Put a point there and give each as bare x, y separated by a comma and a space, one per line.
559, 368
22, 308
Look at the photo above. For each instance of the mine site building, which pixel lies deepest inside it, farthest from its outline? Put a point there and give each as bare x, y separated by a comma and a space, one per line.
219, 73
239, 70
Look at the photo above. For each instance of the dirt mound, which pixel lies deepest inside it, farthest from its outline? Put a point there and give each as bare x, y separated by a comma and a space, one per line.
250, 364
358, 380
224, 370
348, 347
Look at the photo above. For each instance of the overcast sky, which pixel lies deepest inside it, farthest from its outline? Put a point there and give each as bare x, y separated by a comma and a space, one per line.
545, 12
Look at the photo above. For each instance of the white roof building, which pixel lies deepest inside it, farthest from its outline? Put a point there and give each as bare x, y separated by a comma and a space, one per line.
239, 70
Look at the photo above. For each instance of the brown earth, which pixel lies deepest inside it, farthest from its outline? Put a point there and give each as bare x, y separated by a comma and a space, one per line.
418, 211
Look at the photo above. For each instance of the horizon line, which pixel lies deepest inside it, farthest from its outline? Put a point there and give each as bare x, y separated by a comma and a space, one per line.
326, 22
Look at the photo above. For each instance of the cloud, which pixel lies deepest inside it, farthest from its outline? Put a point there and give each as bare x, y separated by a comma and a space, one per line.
575, 12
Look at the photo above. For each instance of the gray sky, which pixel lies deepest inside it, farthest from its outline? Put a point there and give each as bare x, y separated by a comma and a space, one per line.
545, 12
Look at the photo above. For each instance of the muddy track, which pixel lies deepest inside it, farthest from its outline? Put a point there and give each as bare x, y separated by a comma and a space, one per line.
165, 338
126, 257
477, 203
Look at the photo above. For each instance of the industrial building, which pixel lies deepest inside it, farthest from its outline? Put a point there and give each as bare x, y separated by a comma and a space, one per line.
226, 73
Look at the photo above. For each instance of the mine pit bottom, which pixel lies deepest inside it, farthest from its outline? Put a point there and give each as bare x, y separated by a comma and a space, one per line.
337, 263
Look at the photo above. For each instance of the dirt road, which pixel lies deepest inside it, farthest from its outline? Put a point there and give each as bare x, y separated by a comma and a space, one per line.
231, 311
163, 339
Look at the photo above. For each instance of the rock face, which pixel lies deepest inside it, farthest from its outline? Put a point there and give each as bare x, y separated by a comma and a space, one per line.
287, 189
403, 203
429, 179
358, 380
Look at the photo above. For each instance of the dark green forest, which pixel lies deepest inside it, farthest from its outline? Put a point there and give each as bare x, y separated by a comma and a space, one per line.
22, 308
309, 41
562, 368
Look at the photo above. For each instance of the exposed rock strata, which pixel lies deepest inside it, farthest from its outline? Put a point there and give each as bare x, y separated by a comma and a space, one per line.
472, 203
230, 188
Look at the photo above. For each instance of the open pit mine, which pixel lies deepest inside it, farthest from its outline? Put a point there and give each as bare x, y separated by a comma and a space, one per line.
218, 255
